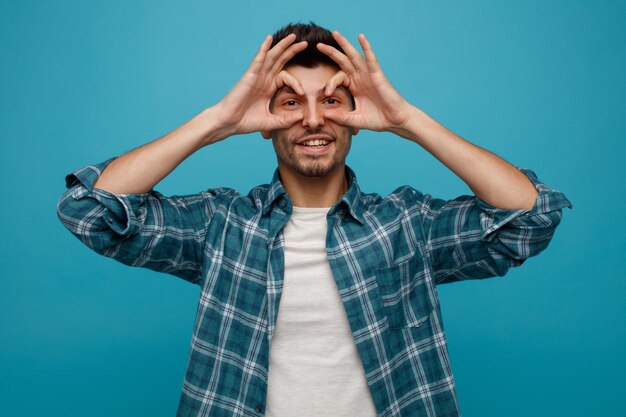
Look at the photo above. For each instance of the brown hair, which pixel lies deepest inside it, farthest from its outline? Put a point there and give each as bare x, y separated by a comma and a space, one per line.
313, 34
310, 57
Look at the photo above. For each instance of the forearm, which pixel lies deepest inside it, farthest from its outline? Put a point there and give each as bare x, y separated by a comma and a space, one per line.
139, 170
491, 178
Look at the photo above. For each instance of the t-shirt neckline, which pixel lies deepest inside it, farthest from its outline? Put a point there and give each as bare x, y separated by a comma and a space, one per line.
311, 209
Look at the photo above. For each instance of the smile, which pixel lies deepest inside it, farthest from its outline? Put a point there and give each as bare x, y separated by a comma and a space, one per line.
315, 144
313, 148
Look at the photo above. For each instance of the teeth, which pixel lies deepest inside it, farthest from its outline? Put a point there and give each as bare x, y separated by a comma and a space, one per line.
316, 142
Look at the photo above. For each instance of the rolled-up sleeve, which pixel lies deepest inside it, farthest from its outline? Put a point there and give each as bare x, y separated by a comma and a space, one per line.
466, 238
149, 230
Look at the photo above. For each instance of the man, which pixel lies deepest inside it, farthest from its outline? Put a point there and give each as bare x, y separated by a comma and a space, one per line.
359, 329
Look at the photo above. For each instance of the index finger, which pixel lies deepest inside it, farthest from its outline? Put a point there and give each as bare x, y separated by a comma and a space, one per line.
259, 58
279, 48
355, 56
370, 57
340, 58
289, 53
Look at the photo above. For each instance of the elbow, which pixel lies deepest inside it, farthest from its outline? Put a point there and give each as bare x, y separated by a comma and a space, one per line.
77, 215
65, 209
519, 244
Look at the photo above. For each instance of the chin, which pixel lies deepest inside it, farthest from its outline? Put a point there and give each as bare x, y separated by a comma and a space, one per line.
315, 169
313, 173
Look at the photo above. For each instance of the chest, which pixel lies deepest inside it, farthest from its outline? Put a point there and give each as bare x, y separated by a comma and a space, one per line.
379, 267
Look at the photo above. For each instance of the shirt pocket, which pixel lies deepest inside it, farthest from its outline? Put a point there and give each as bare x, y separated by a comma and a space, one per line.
407, 291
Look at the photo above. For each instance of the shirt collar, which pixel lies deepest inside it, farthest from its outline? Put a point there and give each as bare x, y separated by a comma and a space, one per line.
352, 199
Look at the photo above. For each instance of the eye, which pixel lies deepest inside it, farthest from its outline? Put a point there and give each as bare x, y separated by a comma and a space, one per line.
332, 101
290, 103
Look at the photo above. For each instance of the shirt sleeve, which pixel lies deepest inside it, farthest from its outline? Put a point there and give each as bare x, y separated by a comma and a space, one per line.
149, 230
467, 238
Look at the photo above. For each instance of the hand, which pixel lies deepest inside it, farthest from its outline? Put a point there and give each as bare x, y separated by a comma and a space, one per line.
378, 105
245, 108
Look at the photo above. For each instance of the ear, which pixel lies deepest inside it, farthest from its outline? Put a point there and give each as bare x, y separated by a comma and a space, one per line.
355, 131
266, 134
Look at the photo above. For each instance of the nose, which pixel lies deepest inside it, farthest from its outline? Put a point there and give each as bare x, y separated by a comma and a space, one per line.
313, 117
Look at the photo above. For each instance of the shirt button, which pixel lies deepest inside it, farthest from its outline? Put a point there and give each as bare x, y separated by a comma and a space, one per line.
268, 243
258, 408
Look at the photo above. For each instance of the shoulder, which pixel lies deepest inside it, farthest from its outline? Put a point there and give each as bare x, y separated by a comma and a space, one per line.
402, 198
222, 193
233, 199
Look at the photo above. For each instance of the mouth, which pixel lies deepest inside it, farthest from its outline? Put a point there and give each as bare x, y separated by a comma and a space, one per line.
315, 144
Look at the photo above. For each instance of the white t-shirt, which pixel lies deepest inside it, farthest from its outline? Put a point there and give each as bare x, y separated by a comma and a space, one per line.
314, 367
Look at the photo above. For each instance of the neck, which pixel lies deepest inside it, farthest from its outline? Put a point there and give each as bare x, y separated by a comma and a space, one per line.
314, 191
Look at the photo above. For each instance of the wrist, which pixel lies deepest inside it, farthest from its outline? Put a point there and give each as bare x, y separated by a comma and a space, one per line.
414, 124
214, 130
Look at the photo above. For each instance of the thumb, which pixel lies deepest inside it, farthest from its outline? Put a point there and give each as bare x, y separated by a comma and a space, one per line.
341, 117
284, 121
279, 122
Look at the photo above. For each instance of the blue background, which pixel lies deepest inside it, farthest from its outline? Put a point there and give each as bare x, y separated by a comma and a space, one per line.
539, 83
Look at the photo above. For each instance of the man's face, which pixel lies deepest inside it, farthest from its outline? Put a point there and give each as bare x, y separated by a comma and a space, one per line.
296, 147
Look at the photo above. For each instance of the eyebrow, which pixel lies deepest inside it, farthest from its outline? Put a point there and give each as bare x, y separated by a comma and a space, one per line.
339, 87
285, 89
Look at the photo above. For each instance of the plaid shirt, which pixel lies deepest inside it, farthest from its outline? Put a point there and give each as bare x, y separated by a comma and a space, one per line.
386, 254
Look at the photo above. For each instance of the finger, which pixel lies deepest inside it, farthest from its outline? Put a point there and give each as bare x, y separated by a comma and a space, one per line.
370, 57
354, 55
259, 58
285, 79
341, 59
292, 51
278, 49
340, 78
284, 121
341, 117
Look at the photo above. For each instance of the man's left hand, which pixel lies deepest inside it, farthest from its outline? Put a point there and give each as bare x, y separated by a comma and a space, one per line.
379, 106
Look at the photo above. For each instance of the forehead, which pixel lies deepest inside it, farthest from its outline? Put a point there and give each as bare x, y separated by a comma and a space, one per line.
312, 77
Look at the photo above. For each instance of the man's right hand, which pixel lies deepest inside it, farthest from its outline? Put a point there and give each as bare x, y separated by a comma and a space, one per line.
246, 108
